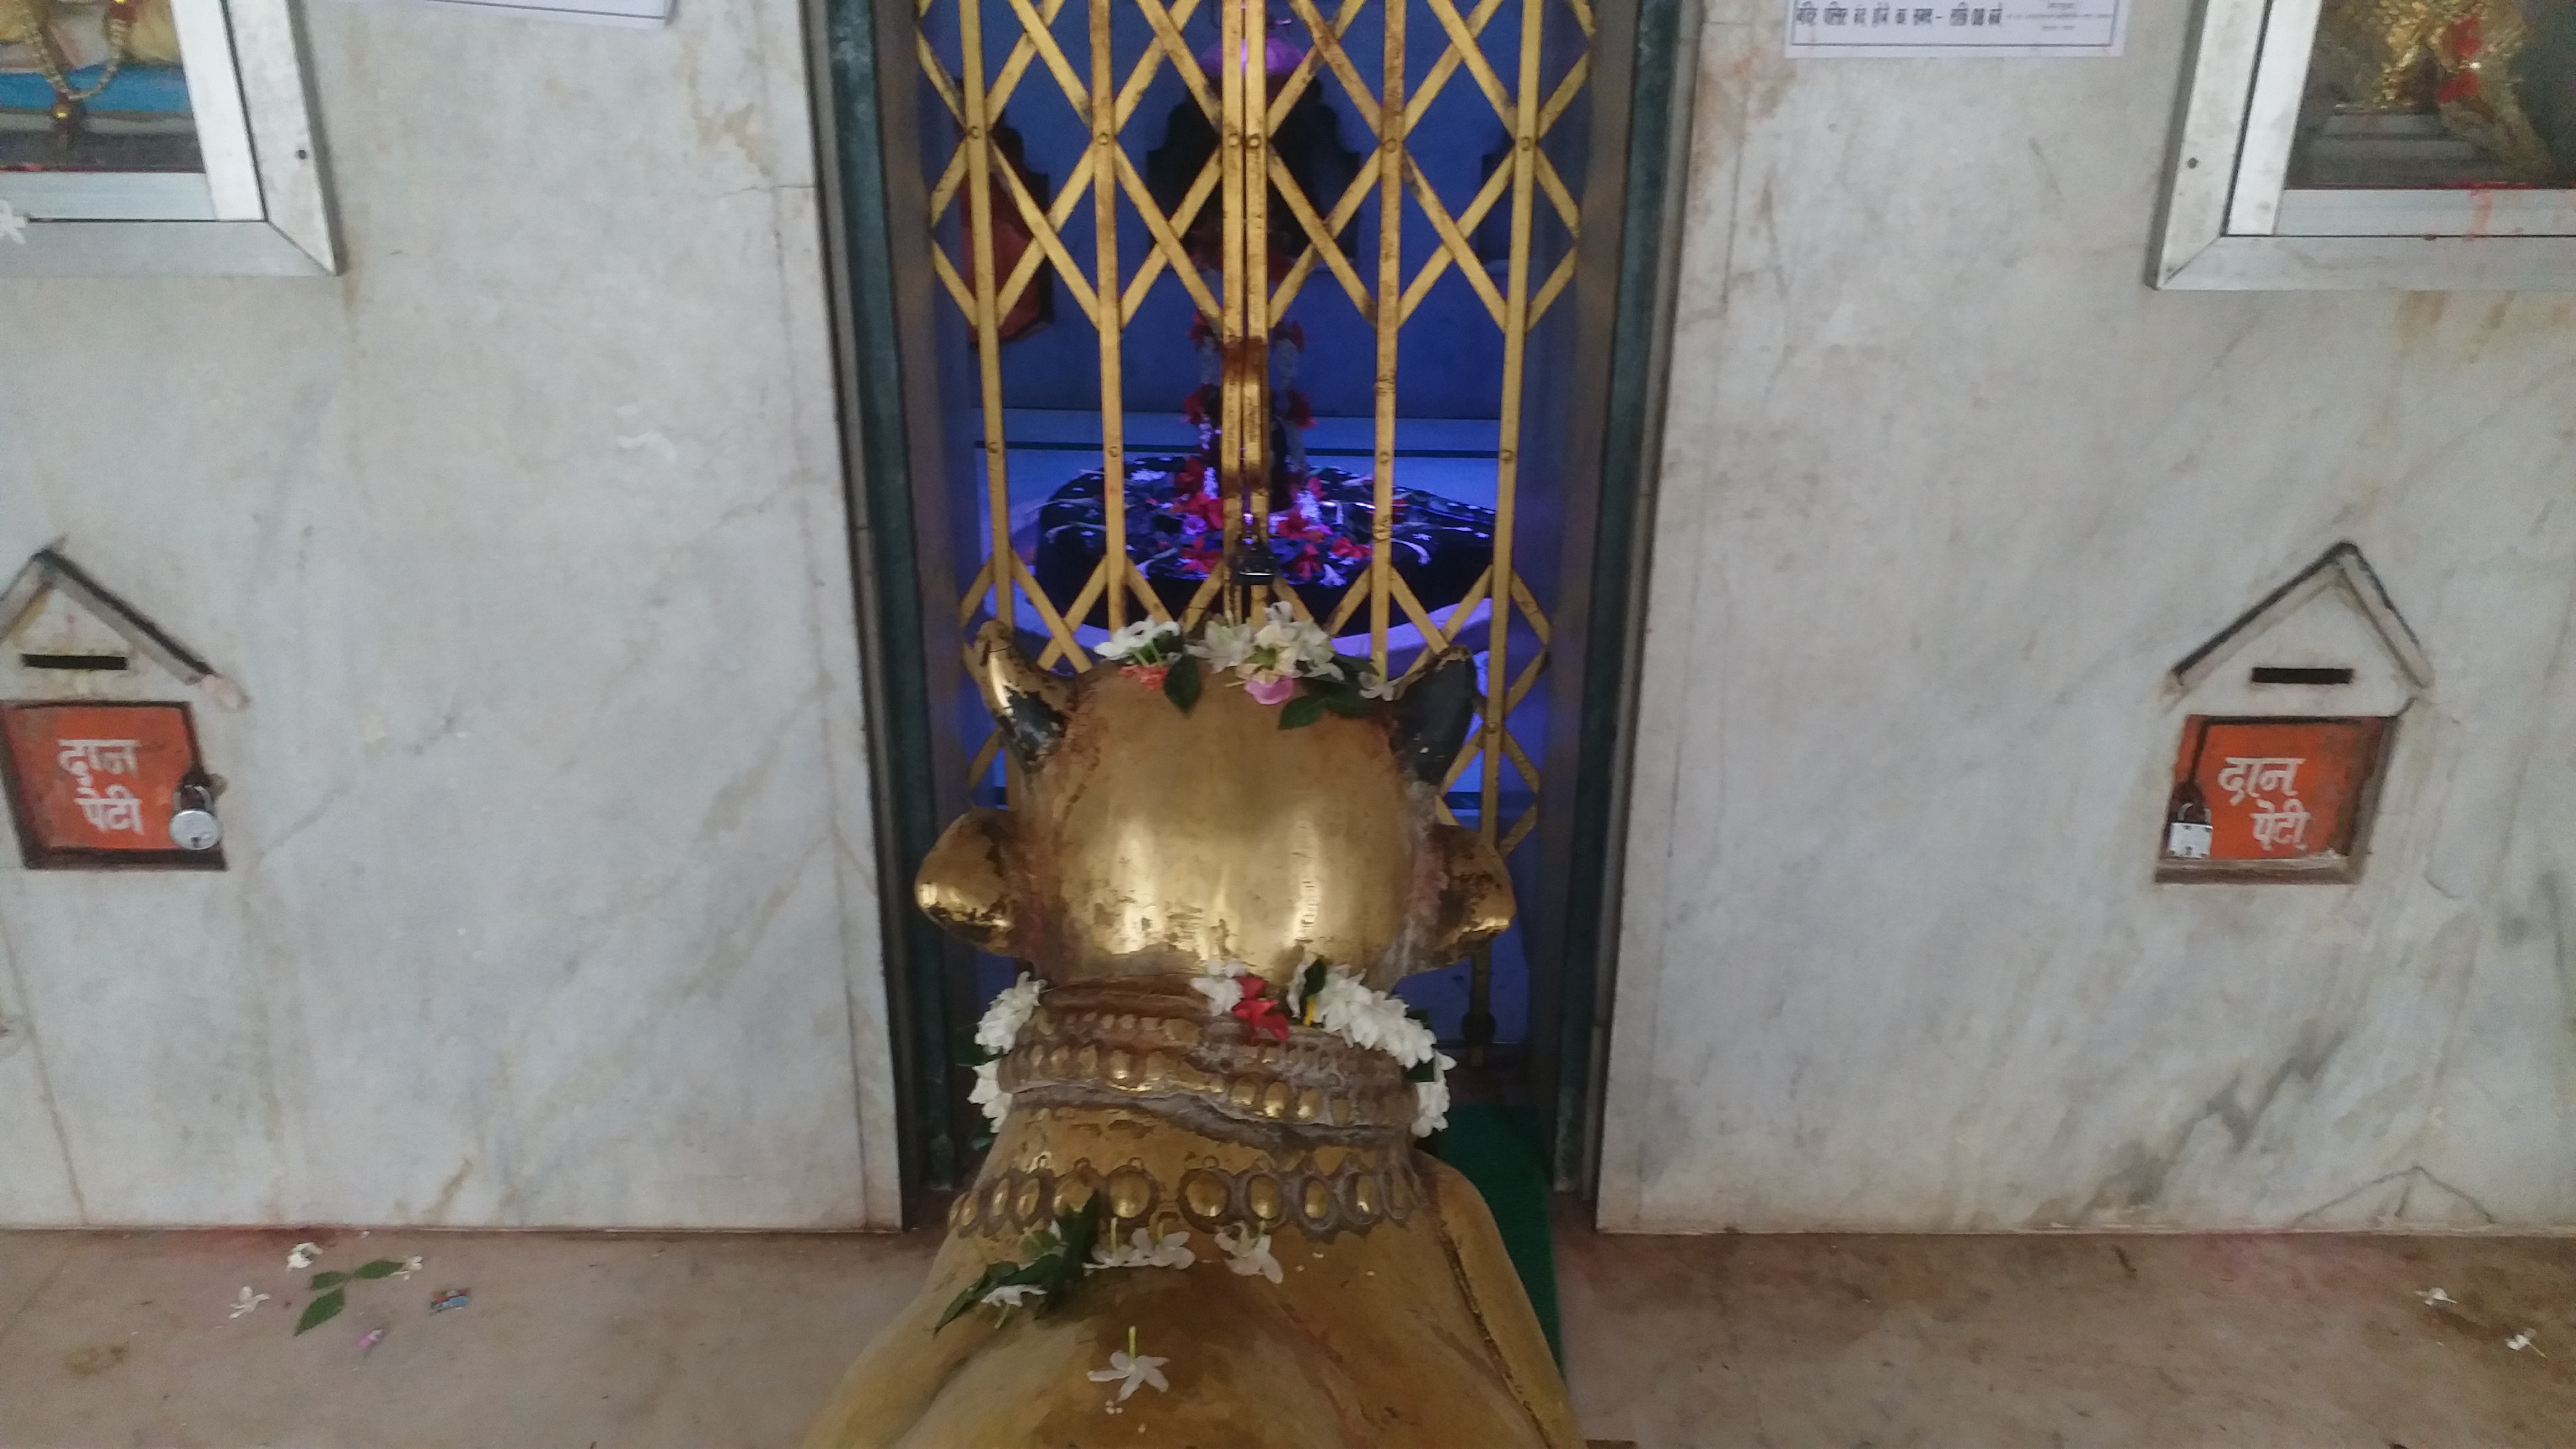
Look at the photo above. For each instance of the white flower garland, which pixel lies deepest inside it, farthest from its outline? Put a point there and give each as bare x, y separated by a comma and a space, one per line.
1358, 1013
1000, 1028
1349, 1008
1276, 652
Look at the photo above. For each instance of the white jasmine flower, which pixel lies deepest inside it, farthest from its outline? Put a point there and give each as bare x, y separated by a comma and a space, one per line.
1013, 1295
1374, 685
2521, 1341
1143, 1250
2432, 1296
1222, 992
1372, 1020
1127, 1370
1223, 645
1145, 636
988, 1093
1286, 644
246, 1302
1247, 1254
1008, 1013
304, 1255
1431, 1102
409, 1267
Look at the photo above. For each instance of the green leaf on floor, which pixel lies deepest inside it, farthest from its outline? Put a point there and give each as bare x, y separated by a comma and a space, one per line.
380, 1268
323, 1309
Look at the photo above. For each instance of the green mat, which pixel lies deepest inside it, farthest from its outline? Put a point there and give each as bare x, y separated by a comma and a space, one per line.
1497, 1149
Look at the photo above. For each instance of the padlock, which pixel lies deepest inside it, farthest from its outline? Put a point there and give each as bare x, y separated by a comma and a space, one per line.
193, 825
2187, 824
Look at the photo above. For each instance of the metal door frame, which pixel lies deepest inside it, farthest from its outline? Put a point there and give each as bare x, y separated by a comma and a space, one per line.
864, 105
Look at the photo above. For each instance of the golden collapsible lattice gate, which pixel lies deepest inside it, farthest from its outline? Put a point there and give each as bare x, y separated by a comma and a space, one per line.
977, 183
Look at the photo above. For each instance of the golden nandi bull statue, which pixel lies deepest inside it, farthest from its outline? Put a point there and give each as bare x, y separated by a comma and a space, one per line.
1202, 1221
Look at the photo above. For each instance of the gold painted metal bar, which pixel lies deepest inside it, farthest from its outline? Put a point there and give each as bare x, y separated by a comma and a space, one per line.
1167, 240
1108, 320
1472, 55
1041, 33
1328, 44
1210, 590
1531, 611
1361, 188
1167, 29
1395, 129
1318, 240
1055, 625
951, 177
1350, 604
1445, 67
1468, 220
1047, 239
1556, 284
958, 291
986, 319
1521, 687
1230, 408
1564, 94
1067, 197
1458, 246
1515, 360
938, 76
1558, 196
1144, 590
1081, 606
1254, 262
1434, 638
974, 590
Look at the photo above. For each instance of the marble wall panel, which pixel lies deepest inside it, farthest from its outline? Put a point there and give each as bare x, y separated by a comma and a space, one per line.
552, 897
1947, 491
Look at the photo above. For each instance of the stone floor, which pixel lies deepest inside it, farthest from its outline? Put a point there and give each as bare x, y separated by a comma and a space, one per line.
703, 1340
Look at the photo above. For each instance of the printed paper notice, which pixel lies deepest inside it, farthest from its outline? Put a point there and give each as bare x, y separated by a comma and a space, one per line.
1998, 28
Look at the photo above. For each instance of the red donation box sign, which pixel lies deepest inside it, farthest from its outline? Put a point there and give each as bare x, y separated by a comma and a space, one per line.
96, 784
2287, 793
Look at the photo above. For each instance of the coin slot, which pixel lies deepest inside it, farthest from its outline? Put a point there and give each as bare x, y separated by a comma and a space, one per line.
2300, 674
74, 661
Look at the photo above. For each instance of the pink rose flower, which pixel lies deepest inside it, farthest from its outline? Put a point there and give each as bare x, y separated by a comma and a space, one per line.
1274, 690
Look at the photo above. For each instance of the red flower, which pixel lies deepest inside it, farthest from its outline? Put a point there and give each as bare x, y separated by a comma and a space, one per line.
1148, 675
1260, 1012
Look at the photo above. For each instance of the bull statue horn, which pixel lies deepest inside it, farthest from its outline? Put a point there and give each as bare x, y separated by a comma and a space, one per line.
1029, 703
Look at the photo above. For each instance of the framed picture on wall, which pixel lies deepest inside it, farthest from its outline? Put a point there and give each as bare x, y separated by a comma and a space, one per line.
2428, 145
158, 136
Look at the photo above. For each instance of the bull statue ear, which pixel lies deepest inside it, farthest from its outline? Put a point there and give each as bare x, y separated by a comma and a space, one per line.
1432, 716
1029, 703
970, 882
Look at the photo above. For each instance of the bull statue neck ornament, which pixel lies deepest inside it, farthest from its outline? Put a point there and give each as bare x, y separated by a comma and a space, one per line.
1203, 1221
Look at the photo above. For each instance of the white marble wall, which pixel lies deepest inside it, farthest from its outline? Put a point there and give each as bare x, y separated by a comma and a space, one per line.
1948, 491
551, 897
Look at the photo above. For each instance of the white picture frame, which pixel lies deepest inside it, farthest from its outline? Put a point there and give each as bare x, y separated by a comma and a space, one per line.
2231, 223
260, 208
